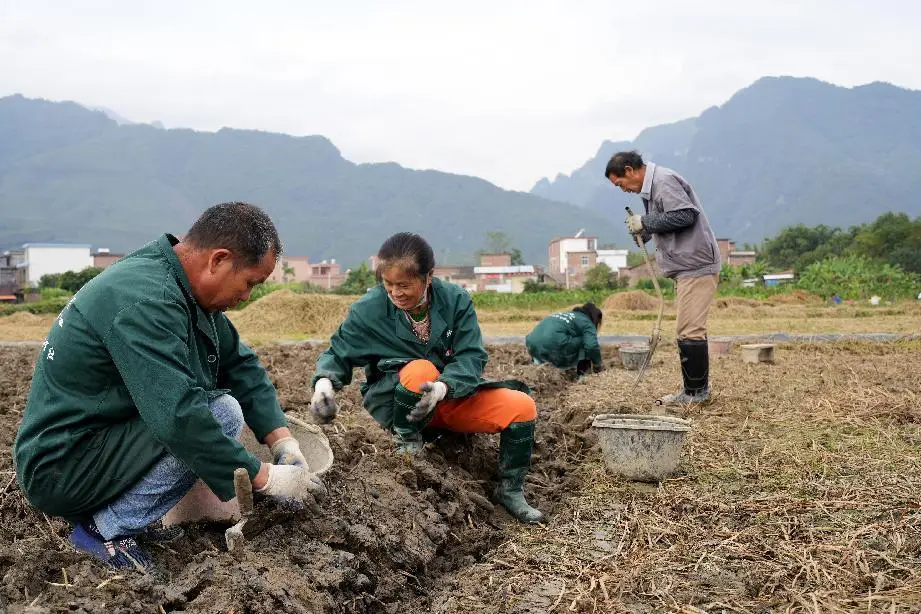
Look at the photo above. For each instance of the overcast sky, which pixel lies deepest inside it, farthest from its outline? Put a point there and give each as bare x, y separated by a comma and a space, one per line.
510, 91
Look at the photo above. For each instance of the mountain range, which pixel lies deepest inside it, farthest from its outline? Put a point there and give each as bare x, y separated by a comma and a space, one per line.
782, 151
72, 174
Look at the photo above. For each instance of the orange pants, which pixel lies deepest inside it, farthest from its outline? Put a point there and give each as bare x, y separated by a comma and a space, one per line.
485, 411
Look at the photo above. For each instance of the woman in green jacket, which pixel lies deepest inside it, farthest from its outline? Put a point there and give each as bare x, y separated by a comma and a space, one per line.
568, 339
420, 345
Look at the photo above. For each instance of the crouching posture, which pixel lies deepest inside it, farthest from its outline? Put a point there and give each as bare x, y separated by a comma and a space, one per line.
568, 339
143, 386
419, 342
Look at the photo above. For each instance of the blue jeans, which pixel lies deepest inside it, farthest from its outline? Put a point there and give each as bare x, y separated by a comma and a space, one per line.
164, 485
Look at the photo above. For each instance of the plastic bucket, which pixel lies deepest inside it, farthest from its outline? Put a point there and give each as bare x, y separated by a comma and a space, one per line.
633, 356
643, 448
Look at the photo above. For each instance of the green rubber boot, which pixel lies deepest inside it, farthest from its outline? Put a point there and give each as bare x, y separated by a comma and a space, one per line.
515, 446
407, 435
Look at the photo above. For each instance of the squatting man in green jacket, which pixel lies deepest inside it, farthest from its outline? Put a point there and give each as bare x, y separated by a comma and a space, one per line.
143, 386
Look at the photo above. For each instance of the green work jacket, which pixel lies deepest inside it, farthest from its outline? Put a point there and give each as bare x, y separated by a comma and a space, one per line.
563, 339
377, 335
125, 376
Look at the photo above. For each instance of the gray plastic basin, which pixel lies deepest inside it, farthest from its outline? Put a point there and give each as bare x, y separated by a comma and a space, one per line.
643, 448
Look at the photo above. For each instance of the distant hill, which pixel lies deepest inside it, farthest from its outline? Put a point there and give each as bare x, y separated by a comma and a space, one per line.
68, 173
781, 151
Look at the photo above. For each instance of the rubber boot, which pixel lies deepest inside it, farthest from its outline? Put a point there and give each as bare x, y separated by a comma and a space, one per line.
407, 435
583, 368
695, 371
515, 445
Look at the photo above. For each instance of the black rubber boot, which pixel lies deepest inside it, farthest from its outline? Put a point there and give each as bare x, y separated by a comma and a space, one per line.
584, 367
695, 371
515, 446
407, 435
695, 366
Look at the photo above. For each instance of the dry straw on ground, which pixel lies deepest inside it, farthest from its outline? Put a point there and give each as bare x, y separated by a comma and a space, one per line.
286, 315
633, 300
24, 318
797, 297
799, 493
736, 301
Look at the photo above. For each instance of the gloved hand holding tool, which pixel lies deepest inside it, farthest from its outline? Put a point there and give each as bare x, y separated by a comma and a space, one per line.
323, 403
295, 483
634, 224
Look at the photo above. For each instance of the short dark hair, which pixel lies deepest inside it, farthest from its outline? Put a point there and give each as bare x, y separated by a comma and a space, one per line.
594, 314
408, 249
242, 228
619, 162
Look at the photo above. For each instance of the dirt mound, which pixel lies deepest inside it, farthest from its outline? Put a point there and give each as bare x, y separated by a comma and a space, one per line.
634, 300
23, 318
797, 297
287, 314
736, 301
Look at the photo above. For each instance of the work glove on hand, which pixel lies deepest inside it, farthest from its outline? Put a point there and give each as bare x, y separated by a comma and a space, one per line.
635, 224
291, 482
432, 392
323, 403
286, 451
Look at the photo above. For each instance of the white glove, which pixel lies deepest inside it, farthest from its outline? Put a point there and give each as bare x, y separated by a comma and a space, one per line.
635, 224
292, 482
286, 451
323, 403
432, 392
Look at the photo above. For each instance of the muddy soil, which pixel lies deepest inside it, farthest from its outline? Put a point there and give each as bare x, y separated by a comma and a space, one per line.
389, 530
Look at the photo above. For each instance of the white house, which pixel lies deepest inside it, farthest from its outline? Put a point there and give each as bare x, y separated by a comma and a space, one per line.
506, 279
614, 258
48, 258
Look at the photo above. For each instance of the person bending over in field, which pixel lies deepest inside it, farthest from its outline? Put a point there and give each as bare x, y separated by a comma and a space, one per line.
568, 339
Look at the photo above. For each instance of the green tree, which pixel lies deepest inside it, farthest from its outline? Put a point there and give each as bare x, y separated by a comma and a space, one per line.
858, 277
498, 242
907, 257
635, 258
601, 277
667, 285
287, 272
49, 280
358, 281
531, 286
893, 238
71, 281
799, 246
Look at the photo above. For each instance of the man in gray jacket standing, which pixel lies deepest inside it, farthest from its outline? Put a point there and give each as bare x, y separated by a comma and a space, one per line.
686, 251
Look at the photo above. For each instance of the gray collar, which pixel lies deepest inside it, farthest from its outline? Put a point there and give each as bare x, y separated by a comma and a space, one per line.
647, 181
